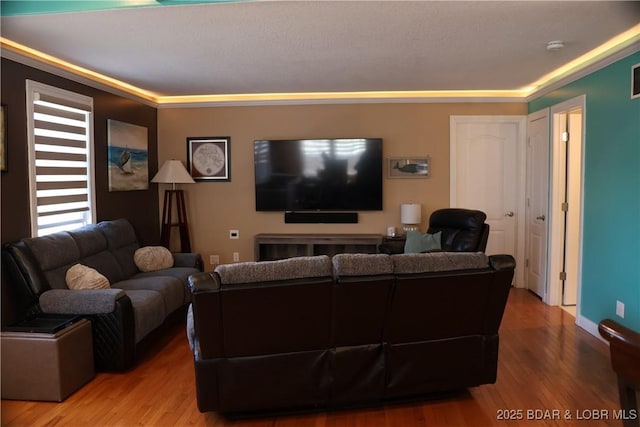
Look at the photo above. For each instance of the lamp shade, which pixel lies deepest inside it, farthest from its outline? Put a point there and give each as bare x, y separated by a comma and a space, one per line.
173, 172
411, 213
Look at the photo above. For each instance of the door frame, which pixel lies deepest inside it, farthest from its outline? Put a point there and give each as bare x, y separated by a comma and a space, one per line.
543, 114
556, 221
521, 153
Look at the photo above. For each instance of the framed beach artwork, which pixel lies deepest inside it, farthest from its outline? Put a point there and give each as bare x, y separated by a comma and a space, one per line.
408, 167
128, 156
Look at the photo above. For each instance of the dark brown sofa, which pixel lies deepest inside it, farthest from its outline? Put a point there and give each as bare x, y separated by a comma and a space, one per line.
137, 303
315, 332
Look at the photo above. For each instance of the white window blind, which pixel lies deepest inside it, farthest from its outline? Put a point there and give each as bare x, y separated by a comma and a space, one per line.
60, 137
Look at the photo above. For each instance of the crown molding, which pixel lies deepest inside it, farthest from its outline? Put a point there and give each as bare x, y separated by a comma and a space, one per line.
59, 68
342, 98
73, 73
584, 71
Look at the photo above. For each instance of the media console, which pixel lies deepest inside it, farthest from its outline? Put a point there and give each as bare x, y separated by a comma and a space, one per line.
270, 247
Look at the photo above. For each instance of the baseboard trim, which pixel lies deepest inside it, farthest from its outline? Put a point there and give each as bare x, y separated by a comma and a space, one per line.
590, 327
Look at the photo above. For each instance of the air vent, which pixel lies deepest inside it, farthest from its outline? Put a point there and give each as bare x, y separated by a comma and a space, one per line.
635, 81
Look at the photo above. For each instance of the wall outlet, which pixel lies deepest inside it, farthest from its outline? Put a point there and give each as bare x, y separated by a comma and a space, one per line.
236, 256
620, 309
214, 259
234, 234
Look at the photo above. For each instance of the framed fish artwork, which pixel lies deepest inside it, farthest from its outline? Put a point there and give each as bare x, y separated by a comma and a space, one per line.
408, 167
128, 147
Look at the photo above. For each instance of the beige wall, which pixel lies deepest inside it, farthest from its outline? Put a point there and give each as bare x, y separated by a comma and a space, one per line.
213, 208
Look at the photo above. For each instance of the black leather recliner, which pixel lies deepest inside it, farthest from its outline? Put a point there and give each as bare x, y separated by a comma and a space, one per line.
463, 230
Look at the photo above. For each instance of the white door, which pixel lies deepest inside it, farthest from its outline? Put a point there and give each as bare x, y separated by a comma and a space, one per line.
537, 202
486, 174
573, 199
565, 209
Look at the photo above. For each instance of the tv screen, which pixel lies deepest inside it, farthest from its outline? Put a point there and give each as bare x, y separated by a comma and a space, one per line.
318, 174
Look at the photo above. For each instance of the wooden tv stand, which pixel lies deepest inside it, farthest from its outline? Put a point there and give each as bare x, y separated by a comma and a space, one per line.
269, 247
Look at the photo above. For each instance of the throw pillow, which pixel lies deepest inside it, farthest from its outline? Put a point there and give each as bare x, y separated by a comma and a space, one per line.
82, 277
418, 242
152, 258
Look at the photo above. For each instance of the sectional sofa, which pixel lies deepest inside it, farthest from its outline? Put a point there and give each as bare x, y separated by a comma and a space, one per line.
126, 310
319, 332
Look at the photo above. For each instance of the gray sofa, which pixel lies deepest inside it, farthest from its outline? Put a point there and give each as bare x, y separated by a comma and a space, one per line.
136, 304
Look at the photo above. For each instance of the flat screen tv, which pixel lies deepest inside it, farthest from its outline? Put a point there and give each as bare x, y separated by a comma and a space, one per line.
318, 174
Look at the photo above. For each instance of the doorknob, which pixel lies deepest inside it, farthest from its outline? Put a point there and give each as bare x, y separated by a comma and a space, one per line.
509, 214
541, 217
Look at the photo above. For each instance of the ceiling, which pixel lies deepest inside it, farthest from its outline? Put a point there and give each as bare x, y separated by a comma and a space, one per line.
306, 47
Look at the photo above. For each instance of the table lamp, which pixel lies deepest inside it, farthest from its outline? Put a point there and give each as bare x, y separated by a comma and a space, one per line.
173, 172
410, 216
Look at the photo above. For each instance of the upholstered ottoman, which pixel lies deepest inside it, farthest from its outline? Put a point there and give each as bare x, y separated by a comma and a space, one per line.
47, 366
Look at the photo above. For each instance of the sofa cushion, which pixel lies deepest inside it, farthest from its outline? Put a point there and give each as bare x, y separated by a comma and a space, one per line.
89, 240
438, 261
152, 258
181, 273
418, 242
362, 264
94, 252
267, 271
82, 277
122, 243
148, 311
170, 288
54, 250
54, 255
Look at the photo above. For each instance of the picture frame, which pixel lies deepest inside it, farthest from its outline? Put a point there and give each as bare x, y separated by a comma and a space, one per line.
209, 158
3, 138
408, 167
128, 156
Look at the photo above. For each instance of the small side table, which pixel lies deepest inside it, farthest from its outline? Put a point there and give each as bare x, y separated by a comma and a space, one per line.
46, 366
394, 245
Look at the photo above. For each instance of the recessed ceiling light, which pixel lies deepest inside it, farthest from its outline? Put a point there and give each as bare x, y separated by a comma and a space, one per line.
555, 45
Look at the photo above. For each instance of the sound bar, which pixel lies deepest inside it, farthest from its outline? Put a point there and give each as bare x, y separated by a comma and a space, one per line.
321, 217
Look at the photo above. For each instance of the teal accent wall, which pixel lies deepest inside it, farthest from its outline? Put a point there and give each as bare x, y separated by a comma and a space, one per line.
611, 225
36, 7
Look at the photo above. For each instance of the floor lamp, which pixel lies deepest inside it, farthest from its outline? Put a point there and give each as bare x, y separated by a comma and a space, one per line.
173, 172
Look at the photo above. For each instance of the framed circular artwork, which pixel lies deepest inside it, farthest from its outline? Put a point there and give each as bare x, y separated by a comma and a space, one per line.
208, 158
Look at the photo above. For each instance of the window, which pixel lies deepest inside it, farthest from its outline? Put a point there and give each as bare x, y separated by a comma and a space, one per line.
60, 138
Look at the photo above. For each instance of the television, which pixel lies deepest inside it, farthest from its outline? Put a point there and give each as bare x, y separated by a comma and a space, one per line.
318, 174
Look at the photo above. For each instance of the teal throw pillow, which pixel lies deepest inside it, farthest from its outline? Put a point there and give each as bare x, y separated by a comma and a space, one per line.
418, 242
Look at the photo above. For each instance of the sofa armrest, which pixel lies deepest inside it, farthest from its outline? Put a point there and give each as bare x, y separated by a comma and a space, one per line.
89, 301
504, 270
112, 322
204, 282
206, 313
185, 259
624, 346
502, 262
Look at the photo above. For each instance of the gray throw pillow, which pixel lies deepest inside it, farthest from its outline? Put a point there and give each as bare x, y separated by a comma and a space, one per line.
418, 242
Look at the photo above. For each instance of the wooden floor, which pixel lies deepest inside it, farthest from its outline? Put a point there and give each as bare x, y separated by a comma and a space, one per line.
548, 368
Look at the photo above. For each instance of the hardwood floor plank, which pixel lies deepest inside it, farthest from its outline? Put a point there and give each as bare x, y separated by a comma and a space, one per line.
549, 370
